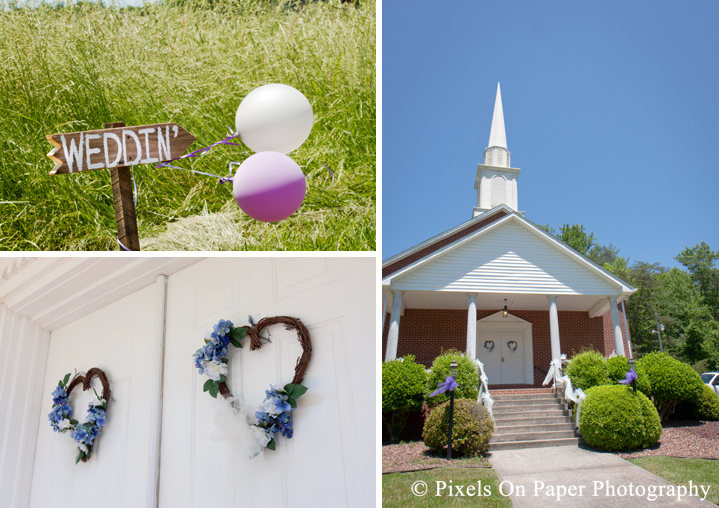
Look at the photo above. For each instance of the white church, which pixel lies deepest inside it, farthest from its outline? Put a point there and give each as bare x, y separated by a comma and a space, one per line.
500, 288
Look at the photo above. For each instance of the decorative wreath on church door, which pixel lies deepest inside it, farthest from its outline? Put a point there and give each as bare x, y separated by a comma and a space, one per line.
61, 419
512, 344
274, 414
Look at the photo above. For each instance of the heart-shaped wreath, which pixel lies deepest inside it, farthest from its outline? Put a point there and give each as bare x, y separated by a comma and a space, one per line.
61, 416
274, 414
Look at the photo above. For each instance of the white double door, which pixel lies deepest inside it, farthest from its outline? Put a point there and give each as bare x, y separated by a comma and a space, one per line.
503, 353
330, 461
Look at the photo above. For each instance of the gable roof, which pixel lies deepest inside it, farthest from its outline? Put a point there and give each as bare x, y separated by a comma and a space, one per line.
508, 254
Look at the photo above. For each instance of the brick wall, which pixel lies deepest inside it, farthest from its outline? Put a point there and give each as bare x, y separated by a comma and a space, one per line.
424, 333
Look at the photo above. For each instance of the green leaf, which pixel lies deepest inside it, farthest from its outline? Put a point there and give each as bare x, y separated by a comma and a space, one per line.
292, 402
79, 456
206, 341
214, 389
239, 333
208, 384
271, 444
65, 379
235, 342
225, 360
223, 378
289, 388
298, 391
73, 422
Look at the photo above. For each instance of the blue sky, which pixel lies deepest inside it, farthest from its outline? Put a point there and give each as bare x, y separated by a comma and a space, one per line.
611, 112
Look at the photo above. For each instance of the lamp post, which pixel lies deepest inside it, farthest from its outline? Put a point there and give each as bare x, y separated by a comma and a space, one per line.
632, 365
658, 331
453, 374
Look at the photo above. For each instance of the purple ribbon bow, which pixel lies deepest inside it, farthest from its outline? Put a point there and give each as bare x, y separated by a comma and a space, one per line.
447, 386
631, 376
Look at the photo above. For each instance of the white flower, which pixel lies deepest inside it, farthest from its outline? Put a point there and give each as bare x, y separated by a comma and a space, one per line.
83, 447
269, 407
208, 336
260, 435
214, 369
97, 402
64, 424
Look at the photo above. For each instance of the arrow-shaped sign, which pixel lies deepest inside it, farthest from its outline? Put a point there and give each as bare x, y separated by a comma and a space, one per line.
121, 146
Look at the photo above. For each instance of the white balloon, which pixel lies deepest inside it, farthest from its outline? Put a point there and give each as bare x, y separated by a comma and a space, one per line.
274, 117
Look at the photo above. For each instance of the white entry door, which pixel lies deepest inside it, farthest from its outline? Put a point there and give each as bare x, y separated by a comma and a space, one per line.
114, 339
504, 364
330, 459
504, 345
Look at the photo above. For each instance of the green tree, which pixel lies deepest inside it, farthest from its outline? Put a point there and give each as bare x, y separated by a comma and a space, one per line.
576, 237
699, 260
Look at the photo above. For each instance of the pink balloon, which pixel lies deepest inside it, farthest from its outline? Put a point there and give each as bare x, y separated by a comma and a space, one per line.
269, 186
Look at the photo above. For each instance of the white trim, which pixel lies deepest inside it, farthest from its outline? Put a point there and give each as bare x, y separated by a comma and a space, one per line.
158, 360
444, 235
624, 290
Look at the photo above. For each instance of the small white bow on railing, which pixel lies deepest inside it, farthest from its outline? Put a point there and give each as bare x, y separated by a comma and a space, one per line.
555, 371
576, 396
483, 396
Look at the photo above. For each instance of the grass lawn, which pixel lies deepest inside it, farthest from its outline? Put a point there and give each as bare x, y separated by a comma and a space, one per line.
397, 488
74, 68
679, 471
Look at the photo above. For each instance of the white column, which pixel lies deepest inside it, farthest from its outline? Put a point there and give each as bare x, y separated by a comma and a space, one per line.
472, 326
618, 341
554, 328
393, 334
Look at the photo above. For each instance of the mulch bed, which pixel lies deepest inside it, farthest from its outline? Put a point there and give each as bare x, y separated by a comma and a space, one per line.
696, 439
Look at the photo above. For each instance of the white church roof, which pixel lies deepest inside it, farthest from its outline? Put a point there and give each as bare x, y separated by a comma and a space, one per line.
510, 255
497, 134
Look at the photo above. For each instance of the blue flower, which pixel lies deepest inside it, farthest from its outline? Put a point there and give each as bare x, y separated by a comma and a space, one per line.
59, 396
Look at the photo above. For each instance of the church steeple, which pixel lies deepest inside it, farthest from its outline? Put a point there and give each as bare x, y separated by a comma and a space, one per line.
496, 153
496, 181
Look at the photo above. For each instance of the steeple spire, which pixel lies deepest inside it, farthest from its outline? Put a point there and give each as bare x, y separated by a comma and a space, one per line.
496, 153
497, 136
496, 180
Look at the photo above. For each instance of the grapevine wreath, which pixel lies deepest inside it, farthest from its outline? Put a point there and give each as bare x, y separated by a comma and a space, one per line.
274, 414
61, 416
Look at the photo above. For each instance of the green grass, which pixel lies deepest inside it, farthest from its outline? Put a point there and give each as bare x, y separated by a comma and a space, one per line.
679, 471
397, 488
76, 68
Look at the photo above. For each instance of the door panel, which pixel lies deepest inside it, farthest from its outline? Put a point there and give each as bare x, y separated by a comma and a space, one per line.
114, 339
512, 361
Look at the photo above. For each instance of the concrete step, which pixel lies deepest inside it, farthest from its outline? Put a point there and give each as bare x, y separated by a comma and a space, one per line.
526, 402
533, 436
515, 445
531, 429
523, 419
498, 397
527, 408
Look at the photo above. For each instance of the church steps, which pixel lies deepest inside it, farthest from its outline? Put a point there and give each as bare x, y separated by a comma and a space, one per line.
531, 420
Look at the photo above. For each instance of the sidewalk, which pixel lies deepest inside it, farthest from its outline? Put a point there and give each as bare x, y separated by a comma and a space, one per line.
581, 477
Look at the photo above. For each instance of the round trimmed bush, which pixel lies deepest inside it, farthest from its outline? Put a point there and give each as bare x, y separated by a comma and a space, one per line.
472, 427
708, 405
587, 369
614, 417
467, 377
403, 383
670, 381
617, 368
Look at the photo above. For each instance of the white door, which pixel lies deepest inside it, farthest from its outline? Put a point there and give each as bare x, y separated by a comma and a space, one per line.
502, 363
114, 339
330, 461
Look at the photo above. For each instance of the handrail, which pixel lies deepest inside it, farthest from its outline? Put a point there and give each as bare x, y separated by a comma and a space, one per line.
483, 389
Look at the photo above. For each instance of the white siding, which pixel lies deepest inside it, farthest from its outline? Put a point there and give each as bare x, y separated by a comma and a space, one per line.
510, 258
23, 354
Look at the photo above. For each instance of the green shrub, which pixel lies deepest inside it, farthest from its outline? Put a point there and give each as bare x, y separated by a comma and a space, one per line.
614, 417
587, 369
467, 377
403, 383
617, 368
472, 426
706, 407
670, 382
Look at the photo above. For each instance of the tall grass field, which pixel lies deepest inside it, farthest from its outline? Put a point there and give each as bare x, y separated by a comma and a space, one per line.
74, 68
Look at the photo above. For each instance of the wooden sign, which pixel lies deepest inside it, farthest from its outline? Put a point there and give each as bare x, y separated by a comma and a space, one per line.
117, 147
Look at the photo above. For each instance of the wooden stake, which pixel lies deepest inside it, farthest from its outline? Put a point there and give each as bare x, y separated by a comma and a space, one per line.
122, 197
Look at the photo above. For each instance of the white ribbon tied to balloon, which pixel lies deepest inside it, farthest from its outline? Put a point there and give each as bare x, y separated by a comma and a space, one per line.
272, 120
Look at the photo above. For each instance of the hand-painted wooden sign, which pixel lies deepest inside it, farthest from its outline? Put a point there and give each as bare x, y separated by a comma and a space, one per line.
120, 146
